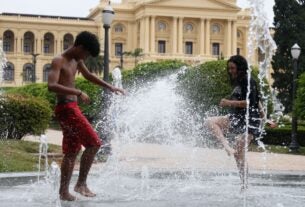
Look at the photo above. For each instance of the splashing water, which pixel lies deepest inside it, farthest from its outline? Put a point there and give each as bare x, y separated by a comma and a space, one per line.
259, 37
3, 62
43, 153
53, 179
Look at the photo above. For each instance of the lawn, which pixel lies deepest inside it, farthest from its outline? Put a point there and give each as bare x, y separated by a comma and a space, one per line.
21, 156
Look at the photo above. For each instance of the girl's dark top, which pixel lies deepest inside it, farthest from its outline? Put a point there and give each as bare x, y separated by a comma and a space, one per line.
237, 115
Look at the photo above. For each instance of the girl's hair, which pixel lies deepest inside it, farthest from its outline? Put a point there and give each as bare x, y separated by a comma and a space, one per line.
242, 68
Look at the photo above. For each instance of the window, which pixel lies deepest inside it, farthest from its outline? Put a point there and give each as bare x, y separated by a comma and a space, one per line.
8, 72
6, 46
216, 29
28, 73
48, 43
8, 41
188, 27
161, 26
118, 49
28, 44
216, 50
68, 41
189, 48
118, 28
46, 71
161, 46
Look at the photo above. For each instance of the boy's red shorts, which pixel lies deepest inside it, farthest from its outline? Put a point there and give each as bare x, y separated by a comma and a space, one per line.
77, 130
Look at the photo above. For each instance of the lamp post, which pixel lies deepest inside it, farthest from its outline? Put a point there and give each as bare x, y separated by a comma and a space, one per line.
107, 15
34, 58
295, 53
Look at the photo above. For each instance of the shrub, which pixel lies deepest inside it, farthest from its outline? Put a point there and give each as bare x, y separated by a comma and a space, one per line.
300, 101
205, 85
37, 90
95, 93
22, 115
148, 71
282, 136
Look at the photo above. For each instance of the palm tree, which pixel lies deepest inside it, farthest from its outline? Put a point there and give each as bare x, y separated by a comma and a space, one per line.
138, 52
95, 64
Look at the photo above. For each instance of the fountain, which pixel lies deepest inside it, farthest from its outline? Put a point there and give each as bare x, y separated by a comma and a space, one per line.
2, 62
159, 156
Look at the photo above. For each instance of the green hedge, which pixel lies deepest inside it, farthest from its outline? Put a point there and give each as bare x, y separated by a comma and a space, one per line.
205, 85
39, 90
282, 136
22, 115
148, 71
300, 101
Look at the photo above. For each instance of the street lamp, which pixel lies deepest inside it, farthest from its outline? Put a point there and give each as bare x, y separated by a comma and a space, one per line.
108, 15
295, 53
34, 59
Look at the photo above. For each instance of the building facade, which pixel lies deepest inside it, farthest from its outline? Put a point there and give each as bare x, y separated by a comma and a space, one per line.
192, 31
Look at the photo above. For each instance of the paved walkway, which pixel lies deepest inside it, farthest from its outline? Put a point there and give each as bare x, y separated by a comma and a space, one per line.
135, 156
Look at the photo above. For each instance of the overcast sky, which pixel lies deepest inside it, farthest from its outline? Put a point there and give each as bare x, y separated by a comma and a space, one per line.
80, 8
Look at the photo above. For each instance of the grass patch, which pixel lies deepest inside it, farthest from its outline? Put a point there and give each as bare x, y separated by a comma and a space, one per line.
21, 156
276, 149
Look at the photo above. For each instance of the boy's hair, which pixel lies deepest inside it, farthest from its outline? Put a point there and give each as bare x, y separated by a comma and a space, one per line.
89, 42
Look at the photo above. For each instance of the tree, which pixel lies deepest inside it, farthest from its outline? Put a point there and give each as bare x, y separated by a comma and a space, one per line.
138, 52
289, 21
95, 64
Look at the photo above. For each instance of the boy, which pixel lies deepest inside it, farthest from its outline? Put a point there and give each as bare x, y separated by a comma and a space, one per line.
76, 129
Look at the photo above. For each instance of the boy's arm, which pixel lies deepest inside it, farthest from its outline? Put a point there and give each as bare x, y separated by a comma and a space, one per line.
53, 79
94, 79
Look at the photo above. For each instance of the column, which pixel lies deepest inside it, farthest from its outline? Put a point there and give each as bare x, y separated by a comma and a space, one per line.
245, 42
153, 34
135, 36
142, 33
207, 37
146, 45
229, 38
180, 36
202, 35
234, 38
39, 44
174, 34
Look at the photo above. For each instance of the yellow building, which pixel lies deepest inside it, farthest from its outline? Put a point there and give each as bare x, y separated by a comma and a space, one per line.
193, 30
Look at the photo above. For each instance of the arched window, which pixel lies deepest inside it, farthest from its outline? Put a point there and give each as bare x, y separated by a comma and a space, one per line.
46, 70
161, 26
48, 43
8, 41
216, 28
68, 41
29, 73
28, 45
118, 28
8, 72
188, 27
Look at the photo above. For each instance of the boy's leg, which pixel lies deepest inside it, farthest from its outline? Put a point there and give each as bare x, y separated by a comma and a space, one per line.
67, 166
218, 125
85, 165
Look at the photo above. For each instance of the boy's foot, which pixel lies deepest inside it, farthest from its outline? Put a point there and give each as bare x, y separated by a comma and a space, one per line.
67, 197
84, 190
